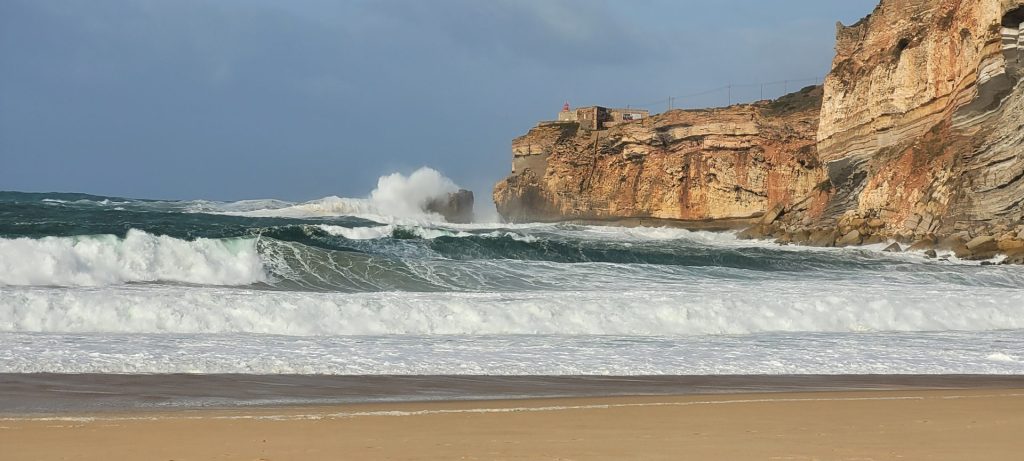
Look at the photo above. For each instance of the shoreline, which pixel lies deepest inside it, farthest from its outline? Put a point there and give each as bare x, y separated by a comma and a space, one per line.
887, 424
55, 394
982, 247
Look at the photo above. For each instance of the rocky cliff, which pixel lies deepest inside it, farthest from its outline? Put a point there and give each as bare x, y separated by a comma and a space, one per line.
728, 165
921, 120
919, 137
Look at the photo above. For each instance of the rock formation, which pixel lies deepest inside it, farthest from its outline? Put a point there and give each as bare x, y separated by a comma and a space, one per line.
729, 164
920, 125
919, 138
456, 207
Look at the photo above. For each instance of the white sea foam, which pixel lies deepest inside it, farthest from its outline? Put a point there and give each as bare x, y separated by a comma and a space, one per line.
1001, 357
359, 233
396, 199
701, 309
138, 257
798, 353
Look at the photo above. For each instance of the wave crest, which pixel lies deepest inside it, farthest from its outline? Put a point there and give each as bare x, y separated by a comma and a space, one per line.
138, 257
719, 310
397, 198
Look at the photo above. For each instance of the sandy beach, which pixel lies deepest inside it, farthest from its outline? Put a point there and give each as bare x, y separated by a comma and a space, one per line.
944, 424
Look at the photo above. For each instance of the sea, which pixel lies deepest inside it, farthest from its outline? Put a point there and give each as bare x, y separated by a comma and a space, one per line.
377, 286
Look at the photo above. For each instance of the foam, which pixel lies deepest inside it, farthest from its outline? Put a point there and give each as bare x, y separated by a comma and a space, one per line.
396, 199
138, 257
359, 233
796, 353
713, 307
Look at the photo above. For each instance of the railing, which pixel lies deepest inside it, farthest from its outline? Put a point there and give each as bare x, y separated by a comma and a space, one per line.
729, 94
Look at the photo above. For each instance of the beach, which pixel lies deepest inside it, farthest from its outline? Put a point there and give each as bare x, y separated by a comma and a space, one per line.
950, 424
248, 417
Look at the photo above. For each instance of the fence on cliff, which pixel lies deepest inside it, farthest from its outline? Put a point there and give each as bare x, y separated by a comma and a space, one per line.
729, 94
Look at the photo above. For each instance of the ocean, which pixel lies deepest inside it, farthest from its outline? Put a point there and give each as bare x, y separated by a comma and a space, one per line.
341, 286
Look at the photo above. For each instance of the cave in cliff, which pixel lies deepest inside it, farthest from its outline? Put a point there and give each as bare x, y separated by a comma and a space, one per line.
1013, 44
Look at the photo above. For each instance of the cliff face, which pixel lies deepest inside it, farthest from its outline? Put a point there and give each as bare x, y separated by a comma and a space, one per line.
919, 137
695, 165
922, 115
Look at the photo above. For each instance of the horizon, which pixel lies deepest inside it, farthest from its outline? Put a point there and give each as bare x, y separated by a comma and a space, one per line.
191, 100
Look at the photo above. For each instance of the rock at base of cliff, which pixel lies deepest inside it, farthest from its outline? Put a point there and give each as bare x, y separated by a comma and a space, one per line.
822, 238
1014, 257
850, 239
755, 232
894, 248
456, 207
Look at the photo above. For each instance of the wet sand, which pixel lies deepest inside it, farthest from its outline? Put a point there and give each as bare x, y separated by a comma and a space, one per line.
877, 425
81, 393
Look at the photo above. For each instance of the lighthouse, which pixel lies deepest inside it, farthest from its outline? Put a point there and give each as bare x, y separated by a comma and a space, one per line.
567, 114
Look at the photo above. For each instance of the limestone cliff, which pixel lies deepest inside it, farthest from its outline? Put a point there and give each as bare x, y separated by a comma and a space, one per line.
919, 136
691, 165
922, 115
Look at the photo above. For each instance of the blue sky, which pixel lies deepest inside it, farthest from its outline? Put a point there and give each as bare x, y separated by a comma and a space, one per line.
297, 100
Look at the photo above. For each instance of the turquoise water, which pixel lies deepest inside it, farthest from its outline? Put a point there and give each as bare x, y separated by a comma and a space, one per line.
347, 286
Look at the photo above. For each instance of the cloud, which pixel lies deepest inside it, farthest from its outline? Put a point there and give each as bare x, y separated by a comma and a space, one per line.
554, 34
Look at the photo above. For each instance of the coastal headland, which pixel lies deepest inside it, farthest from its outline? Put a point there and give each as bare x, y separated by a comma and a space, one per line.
914, 139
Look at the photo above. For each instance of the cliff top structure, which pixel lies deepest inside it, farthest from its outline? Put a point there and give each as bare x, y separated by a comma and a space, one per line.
600, 118
916, 136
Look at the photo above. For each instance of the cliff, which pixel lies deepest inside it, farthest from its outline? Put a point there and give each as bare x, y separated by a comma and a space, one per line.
920, 124
729, 164
919, 137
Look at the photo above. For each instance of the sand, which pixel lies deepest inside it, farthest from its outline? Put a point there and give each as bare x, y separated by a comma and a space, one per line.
983, 424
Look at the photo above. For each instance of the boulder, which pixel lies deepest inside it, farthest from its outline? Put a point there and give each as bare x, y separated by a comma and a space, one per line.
822, 238
961, 251
1011, 244
981, 244
851, 238
456, 207
873, 239
755, 232
894, 248
772, 214
1014, 257
931, 254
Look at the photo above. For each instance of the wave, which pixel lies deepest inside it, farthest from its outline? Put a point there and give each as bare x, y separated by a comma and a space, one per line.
325, 257
701, 309
992, 352
137, 257
397, 198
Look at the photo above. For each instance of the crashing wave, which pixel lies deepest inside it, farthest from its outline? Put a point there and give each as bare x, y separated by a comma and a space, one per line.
730, 310
138, 257
397, 198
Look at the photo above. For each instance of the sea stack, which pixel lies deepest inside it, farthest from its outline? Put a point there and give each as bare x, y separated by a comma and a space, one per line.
456, 207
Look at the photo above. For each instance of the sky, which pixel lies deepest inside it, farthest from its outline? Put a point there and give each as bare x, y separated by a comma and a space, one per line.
289, 99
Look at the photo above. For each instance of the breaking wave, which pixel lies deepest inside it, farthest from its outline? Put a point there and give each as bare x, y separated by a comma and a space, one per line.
736, 308
396, 198
107, 284
137, 257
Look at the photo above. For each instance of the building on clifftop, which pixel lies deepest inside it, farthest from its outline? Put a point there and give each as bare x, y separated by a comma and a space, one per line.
600, 118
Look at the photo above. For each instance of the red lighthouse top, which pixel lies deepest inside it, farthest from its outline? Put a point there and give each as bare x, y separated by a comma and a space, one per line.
565, 108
